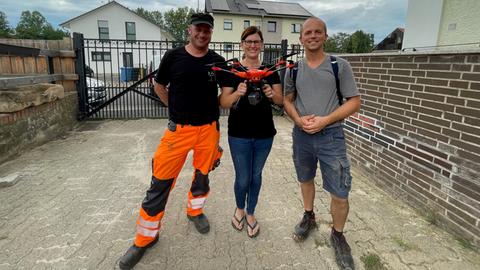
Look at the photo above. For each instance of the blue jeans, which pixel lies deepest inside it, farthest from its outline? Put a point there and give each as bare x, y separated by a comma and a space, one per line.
249, 157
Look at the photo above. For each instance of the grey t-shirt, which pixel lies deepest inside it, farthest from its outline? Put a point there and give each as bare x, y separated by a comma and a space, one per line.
316, 89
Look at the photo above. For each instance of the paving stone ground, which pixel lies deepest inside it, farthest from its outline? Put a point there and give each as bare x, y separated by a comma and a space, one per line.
76, 200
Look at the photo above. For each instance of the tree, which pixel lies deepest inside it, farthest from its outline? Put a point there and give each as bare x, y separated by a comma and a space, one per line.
30, 25
176, 21
360, 42
50, 33
337, 43
154, 17
33, 25
330, 46
5, 30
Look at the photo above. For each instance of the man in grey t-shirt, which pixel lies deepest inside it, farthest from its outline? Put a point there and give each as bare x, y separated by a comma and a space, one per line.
318, 136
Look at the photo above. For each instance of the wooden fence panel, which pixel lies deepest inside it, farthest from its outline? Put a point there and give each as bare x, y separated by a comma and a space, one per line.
42, 65
5, 67
17, 65
57, 66
29, 64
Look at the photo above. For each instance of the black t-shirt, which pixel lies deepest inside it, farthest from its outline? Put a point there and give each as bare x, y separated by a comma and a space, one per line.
246, 120
193, 91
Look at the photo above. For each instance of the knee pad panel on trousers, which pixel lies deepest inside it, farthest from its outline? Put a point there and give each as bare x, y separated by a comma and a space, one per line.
217, 157
157, 196
200, 184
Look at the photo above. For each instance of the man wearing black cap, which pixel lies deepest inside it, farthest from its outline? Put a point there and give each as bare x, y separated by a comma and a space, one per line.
193, 108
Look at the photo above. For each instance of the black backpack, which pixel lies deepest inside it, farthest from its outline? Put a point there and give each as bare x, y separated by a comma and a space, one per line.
333, 61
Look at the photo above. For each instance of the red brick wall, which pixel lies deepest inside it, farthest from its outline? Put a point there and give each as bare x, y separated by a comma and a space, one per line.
417, 134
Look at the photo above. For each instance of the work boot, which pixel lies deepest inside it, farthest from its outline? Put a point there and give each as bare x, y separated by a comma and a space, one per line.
343, 253
303, 228
134, 254
201, 223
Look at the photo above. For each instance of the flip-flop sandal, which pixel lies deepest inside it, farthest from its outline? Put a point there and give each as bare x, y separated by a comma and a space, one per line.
253, 227
240, 222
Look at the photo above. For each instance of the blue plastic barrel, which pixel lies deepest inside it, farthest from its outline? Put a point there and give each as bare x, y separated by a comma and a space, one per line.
127, 74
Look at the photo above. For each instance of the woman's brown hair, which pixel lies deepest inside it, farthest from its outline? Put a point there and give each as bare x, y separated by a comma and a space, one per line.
251, 30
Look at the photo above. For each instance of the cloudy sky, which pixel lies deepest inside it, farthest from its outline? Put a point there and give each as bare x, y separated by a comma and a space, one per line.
379, 17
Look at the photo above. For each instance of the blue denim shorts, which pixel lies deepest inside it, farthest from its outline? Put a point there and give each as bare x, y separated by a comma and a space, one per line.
326, 147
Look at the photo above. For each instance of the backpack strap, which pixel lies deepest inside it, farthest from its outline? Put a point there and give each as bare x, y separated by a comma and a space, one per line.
334, 63
293, 75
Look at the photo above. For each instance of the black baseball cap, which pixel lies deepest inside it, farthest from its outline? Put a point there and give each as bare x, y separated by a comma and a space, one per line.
199, 18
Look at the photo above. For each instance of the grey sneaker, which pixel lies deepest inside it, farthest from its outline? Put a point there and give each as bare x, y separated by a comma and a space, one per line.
343, 253
201, 223
303, 228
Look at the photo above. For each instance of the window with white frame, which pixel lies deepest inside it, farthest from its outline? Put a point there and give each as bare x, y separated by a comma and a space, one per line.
272, 26
246, 24
227, 24
103, 32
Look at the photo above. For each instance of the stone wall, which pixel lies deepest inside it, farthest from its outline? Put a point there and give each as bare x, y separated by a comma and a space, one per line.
417, 134
36, 125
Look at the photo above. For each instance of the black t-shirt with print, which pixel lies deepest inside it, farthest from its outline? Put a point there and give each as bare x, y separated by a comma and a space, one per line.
192, 87
246, 120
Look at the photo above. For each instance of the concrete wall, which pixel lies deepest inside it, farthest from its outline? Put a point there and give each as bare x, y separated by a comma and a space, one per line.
417, 134
460, 23
422, 23
444, 23
36, 125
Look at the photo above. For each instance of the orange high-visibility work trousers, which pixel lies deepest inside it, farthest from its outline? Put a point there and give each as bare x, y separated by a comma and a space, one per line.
167, 162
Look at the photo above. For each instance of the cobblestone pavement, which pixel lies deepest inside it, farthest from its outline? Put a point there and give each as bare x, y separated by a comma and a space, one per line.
77, 199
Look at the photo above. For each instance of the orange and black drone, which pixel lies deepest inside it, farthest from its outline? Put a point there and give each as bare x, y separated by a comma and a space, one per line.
255, 76
234, 67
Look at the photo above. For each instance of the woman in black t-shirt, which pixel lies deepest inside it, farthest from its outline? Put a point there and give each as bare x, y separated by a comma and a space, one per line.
250, 129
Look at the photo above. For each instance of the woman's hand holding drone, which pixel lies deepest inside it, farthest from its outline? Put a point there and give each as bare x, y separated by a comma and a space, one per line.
242, 89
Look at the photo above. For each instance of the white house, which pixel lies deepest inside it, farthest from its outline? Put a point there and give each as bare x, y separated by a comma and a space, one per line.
117, 37
277, 20
442, 24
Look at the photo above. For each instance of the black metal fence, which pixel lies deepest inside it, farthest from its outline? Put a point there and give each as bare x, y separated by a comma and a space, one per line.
115, 76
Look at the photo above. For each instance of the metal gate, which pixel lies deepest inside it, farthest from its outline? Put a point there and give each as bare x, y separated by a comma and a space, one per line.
116, 76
